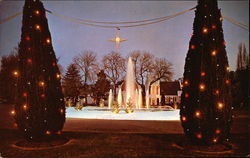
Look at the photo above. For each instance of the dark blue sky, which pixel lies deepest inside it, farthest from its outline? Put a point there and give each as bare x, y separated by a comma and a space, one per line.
168, 39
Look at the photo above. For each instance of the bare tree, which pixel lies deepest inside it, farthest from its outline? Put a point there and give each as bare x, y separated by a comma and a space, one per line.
87, 63
162, 70
242, 58
143, 62
114, 67
135, 55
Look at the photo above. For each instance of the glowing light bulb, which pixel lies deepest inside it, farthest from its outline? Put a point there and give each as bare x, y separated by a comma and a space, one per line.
213, 26
217, 92
227, 81
58, 76
217, 131
186, 95
28, 38
37, 12
29, 60
192, 46
215, 140
61, 111
202, 87
220, 105
13, 112
48, 132
41, 84
203, 74
25, 94
48, 41
37, 27
58, 132
199, 135
205, 30
42, 95
29, 49
183, 118
15, 73
227, 68
213, 53
24, 106
186, 82
198, 114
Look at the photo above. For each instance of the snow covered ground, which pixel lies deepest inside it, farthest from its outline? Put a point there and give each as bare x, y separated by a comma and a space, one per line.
105, 113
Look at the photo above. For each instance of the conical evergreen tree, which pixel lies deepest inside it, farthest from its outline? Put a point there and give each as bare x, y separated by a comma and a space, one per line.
205, 103
72, 82
40, 110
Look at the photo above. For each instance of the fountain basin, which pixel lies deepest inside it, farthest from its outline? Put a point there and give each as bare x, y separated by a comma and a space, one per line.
138, 114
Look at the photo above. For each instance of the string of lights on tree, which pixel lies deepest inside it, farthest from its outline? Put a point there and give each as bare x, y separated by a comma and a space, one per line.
40, 106
206, 106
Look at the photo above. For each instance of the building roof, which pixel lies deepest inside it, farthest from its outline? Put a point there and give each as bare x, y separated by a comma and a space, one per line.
169, 88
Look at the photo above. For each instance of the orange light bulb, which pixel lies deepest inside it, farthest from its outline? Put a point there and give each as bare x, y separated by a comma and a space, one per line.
192, 46
203, 74
205, 30
58, 76
28, 38
13, 112
41, 84
217, 92
42, 95
220, 105
62, 111
202, 87
198, 114
213, 53
199, 135
215, 140
183, 118
29, 60
217, 131
37, 27
37, 12
25, 94
15, 73
24, 106
48, 40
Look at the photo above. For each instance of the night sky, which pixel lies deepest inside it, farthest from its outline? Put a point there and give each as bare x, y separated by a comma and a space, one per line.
168, 39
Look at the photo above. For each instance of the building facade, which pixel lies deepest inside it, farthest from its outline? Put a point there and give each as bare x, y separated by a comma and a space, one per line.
165, 93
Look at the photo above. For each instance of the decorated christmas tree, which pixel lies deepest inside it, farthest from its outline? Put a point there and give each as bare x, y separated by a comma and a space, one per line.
205, 101
40, 110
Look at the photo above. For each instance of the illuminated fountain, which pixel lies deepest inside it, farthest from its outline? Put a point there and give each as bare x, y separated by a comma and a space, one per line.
136, 98
139, 99
110, 100
130, 83
147, 99
119, 97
